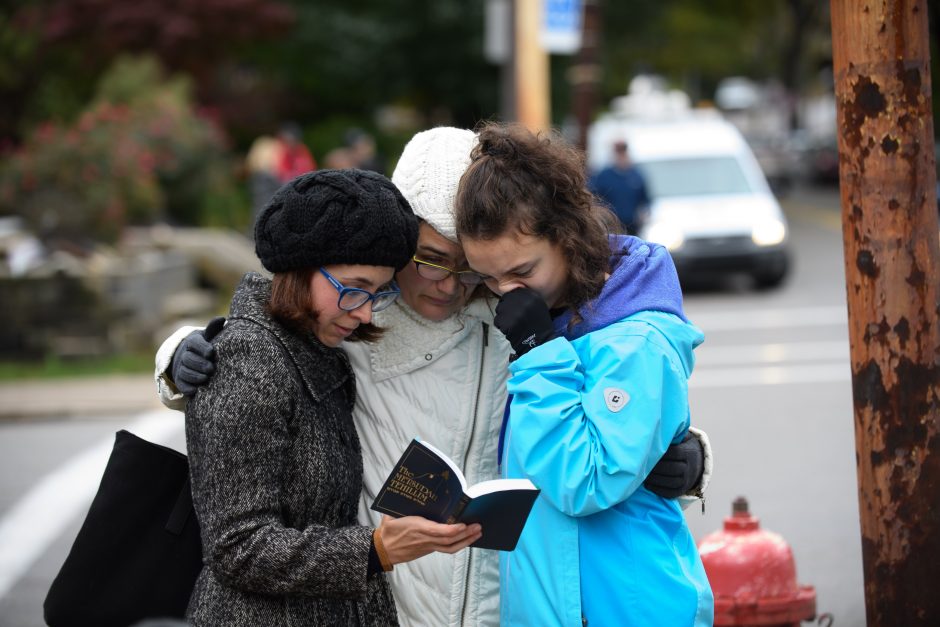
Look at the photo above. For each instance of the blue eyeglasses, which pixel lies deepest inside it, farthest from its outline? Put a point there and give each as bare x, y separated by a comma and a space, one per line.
353, 297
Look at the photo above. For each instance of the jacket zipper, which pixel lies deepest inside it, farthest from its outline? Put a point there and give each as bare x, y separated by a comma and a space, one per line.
476, 408
476, 400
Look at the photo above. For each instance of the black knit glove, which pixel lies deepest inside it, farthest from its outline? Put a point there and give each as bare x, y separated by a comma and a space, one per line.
523, 317
679, 470
194, 359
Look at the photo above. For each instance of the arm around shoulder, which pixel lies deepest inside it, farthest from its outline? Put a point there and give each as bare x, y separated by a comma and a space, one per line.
166, 390
697, 493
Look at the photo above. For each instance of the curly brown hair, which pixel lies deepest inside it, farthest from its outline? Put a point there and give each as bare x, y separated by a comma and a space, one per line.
291, 300
536, 183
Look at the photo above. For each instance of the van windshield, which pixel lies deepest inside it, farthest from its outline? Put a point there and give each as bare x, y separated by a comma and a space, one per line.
694, 177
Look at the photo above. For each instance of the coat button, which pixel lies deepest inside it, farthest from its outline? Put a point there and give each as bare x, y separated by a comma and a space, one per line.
428, 357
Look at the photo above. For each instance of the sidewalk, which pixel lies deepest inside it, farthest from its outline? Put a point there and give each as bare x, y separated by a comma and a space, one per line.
78, 397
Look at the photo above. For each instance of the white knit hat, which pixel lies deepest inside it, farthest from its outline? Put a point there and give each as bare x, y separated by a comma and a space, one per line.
428, 172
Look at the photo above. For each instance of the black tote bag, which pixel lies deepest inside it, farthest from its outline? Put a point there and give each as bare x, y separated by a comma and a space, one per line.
138, 552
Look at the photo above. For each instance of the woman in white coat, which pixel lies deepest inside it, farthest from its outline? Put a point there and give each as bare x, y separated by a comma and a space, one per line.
439, 373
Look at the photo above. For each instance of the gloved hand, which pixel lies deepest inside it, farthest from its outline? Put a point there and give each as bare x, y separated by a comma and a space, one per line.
523, 317
679, 470
194, 359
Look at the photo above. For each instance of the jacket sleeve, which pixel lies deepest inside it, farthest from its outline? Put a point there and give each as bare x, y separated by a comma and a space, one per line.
237, 438
587, 429
167, 392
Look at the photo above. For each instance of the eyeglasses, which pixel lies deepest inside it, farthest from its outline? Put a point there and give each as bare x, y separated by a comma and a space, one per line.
353, 297
434, 272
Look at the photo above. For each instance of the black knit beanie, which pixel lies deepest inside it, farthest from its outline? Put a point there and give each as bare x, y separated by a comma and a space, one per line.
336, 217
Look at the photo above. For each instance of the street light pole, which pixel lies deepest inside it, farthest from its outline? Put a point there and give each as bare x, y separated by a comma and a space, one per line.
890, 235
531, 67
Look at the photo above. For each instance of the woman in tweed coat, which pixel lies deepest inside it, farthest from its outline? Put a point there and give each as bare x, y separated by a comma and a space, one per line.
275, 459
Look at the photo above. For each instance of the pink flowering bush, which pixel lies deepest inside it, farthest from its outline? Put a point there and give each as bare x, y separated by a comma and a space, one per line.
139, 153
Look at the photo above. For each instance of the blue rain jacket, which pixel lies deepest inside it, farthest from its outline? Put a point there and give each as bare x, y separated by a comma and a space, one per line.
592, 412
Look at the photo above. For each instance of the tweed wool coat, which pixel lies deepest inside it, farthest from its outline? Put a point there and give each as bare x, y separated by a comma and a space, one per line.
276, 471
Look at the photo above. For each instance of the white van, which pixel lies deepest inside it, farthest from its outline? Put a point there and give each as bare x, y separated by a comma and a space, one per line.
711, 205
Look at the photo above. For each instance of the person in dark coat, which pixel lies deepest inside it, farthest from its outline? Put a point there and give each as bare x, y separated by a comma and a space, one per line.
274, 456
622, 187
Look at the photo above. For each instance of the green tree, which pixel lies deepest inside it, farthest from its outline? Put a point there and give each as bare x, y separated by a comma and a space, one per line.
697, 44
54, 51
138, 153
349, 59
327, 65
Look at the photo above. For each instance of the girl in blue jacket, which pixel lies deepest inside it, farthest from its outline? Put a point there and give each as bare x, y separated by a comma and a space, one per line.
599, 391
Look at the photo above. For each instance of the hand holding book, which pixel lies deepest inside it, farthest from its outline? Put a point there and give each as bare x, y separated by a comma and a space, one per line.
425, 482
411, 537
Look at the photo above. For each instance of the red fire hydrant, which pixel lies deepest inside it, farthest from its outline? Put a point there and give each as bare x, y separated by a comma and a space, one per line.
753, 575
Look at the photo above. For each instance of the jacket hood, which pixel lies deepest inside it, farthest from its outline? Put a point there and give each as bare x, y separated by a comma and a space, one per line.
643, 278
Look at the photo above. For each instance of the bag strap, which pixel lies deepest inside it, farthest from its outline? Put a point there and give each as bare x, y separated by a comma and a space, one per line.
181, 511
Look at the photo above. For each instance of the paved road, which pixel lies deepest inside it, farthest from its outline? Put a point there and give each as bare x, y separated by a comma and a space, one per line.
771, 387
50, 469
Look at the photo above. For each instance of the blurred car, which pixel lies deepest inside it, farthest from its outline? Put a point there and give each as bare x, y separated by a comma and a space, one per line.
822, 162
711, 204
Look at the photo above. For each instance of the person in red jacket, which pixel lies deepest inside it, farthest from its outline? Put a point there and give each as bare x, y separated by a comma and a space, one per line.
294, 159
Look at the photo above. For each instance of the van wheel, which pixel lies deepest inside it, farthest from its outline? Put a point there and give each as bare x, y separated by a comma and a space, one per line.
767, 280
772, 272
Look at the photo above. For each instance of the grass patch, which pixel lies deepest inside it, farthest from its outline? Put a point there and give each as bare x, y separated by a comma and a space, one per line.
58, 368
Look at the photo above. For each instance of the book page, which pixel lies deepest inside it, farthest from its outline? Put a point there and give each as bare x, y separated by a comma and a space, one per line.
498, 485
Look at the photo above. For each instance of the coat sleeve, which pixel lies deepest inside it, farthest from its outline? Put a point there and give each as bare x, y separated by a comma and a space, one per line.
697, 493
237, 437
166, 390
588, 427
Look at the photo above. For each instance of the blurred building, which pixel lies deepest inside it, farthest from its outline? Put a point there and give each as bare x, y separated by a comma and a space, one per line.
794, 138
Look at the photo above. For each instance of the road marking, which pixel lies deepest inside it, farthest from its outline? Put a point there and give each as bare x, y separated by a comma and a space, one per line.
40, 516
771, 363
771, 375
707, 356
741, 319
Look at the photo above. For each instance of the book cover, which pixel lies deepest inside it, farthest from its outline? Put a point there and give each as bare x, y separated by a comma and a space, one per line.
426, 482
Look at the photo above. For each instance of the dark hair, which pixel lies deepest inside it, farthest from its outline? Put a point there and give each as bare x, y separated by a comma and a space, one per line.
291, 305
536, 183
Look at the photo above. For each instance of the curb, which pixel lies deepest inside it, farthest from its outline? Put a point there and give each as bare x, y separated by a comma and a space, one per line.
85, 397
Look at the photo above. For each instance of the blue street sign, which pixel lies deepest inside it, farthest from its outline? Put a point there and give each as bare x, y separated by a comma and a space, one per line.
561, 26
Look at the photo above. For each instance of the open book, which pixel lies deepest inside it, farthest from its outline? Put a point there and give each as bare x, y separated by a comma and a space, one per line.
425, 482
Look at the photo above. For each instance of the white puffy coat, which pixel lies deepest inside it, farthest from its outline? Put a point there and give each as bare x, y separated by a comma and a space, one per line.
444, 382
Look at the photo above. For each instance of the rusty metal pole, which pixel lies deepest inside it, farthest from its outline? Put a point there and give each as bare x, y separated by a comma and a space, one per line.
890, 234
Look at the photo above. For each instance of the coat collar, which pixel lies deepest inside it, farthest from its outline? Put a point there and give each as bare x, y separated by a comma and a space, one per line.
322, 368
411, 341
